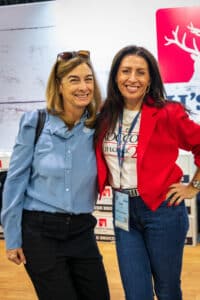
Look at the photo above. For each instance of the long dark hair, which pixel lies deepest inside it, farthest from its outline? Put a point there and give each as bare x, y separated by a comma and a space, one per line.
114, 101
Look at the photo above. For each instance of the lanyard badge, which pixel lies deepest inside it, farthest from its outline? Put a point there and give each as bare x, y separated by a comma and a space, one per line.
121, 146
121, 211
121, 199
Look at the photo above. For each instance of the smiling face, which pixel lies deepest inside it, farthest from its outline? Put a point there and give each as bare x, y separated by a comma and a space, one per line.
77, 88
133, 80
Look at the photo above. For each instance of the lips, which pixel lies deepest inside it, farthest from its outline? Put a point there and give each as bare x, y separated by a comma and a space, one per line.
85, 96
132, 89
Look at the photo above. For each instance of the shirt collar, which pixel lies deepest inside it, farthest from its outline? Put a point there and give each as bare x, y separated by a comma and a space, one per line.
56, 124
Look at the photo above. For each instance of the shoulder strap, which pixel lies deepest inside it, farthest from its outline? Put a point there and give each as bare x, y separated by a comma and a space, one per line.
40, 124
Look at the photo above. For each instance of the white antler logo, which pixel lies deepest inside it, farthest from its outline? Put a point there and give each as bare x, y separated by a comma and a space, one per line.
194, 30
194, 52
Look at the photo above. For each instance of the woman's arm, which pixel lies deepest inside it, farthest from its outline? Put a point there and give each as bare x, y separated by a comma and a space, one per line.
17, 180
178, 191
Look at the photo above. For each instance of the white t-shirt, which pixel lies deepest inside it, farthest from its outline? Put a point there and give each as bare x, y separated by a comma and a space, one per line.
128, 173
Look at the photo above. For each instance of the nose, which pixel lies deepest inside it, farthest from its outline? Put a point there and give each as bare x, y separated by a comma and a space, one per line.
83, 85
132, 76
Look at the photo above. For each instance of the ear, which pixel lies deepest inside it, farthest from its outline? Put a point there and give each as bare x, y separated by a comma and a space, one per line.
60, 88
149, 85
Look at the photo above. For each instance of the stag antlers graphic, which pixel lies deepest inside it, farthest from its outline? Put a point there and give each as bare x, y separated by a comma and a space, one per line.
194, 52
194, 30
182, 44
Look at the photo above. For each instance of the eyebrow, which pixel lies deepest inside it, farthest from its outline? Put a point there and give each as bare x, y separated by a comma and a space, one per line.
138, 68
76, 76
72, 76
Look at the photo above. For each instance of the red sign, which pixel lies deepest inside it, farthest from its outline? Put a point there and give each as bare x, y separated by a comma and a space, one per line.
107, 192
102, 222
178, 40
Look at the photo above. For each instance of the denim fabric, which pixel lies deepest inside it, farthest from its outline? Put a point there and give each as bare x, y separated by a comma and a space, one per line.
49, 176
150, 254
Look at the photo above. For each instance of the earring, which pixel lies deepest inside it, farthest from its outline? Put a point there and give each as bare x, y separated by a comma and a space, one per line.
148, 89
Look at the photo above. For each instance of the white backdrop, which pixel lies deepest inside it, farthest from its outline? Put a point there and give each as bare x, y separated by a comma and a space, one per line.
106, 26
32, 34
27, 51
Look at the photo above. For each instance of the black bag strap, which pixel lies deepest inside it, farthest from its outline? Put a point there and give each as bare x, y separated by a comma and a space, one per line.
40, 124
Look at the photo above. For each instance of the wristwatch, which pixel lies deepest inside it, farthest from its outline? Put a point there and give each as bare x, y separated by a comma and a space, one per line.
196, 184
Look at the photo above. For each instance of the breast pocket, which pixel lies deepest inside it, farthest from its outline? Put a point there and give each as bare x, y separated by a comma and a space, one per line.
49, 157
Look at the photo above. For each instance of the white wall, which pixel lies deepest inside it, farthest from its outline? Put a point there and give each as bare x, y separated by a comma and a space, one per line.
105, 26
32, 34
27, 51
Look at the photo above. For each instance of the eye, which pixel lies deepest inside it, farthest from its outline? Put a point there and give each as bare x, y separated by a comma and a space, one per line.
141, 72
125, 71
89, 78
73, 80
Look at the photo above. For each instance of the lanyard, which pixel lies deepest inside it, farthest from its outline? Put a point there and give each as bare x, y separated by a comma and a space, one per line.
121, 146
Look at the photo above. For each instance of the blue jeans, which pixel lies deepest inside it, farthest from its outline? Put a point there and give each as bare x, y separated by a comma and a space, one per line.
150, 254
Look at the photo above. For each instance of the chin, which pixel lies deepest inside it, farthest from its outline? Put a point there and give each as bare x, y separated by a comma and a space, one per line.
81, 105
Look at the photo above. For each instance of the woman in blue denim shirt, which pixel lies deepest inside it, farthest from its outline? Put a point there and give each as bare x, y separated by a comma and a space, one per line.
51, 188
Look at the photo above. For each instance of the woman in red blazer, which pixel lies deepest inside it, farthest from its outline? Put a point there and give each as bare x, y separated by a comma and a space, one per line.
138, 138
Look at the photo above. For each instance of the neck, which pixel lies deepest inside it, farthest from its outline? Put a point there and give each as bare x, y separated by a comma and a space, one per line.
133, 105
70, 117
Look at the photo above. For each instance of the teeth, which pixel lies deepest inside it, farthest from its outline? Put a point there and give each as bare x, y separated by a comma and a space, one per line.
132, 88
81, 96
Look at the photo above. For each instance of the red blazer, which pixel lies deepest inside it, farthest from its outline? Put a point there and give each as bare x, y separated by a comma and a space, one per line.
163, 131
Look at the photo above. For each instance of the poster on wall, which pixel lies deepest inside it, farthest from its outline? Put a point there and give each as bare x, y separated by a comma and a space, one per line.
178, 44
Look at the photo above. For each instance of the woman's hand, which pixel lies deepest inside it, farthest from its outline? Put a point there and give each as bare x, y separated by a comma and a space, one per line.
178, 192
16, 256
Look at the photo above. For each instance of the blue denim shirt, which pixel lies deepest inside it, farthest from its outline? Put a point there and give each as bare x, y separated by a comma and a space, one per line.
57, 175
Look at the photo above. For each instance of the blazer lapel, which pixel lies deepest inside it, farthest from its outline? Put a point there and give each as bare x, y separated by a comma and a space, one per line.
147, 125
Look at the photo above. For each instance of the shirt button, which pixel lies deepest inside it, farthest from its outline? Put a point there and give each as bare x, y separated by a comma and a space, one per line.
67, 190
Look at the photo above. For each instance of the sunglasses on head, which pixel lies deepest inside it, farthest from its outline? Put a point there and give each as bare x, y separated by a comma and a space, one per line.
69, 55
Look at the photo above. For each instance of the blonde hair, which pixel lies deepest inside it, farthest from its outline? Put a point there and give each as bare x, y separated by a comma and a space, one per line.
53, 97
